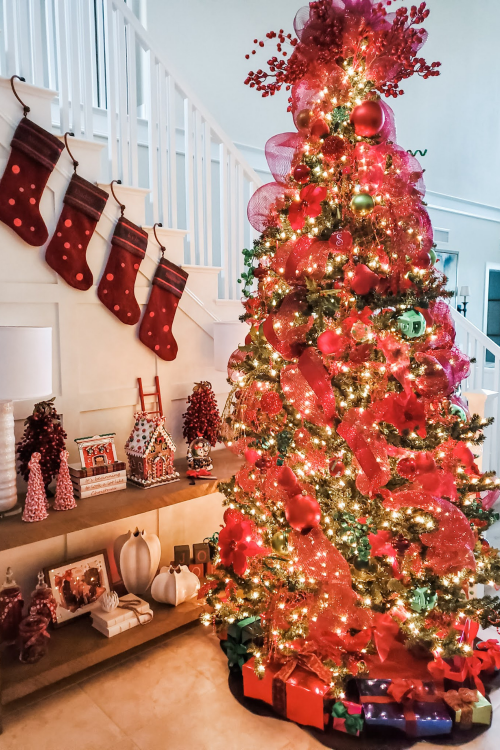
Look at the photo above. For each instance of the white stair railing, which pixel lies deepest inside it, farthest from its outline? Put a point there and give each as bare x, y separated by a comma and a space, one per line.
484, 376
113, 85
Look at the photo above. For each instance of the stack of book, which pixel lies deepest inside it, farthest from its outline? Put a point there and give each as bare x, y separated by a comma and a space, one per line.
97, 480
119, 620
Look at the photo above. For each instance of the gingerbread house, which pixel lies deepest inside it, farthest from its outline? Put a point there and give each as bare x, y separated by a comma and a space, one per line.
150, 452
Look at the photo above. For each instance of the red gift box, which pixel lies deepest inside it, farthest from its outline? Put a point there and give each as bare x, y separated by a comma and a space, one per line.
294, 689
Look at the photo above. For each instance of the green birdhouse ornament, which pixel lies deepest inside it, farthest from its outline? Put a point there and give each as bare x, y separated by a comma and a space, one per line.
412, 324
458, 412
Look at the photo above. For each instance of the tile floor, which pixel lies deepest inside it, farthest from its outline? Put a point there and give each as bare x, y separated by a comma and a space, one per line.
173, 697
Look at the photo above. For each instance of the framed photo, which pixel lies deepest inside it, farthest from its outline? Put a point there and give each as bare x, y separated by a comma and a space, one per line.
77, 585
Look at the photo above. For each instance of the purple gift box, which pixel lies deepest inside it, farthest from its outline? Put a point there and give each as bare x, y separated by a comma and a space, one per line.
417, 718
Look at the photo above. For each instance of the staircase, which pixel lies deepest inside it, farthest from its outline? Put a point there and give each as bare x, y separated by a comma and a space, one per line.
90, 68
114, 88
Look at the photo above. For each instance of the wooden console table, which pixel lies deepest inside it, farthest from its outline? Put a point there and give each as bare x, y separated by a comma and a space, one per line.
77, 650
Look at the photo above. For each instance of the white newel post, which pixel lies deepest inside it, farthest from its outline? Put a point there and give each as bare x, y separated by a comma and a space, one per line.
484, 403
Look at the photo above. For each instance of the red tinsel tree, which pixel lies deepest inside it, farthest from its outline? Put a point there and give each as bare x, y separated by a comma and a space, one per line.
43, 433
35, 507
65, 498
356, 523
202, 418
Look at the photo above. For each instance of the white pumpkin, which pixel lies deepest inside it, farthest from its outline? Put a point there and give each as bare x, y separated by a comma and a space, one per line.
139, 560
109, 601
174, 585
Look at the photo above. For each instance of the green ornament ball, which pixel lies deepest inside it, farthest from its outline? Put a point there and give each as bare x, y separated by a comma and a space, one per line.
459, 412
411, 324
362, 204
433, 256
279, 542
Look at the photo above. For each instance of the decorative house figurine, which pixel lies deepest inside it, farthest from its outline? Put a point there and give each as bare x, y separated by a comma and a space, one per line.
150, 451
199, 460
98, 450
412, 324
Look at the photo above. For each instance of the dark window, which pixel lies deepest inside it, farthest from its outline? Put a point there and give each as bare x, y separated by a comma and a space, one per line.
493, 317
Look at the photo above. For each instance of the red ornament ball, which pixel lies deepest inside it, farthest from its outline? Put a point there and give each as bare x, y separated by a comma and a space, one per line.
336, 468
320, 128
341, 242
330, 342
302, 512
303, 120
368, 118
364, 280
251, 456
288, 481
301, 173
271, 403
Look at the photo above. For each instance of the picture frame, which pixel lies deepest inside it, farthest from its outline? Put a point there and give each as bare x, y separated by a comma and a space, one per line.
78, 584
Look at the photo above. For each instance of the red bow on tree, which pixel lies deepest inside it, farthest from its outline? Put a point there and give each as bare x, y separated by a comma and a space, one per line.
308, 205
403, 410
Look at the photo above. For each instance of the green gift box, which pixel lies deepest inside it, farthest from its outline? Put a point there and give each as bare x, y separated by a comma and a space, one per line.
240, 635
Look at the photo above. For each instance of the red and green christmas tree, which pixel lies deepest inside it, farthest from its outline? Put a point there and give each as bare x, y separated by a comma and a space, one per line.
355, 528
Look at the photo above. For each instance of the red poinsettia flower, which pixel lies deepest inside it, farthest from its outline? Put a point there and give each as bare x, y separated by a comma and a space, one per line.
237, 542
404, 410
308, 205
380, 544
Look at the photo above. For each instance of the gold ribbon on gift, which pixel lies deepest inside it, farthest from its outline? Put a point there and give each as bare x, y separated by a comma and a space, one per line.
462, 700
133, 605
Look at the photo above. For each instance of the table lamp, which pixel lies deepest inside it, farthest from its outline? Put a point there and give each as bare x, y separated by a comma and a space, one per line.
25, 373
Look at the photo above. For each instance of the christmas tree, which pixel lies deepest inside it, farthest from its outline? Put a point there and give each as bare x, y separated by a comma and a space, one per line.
35, 507
355, 528
65, 498
43, 434
202, 417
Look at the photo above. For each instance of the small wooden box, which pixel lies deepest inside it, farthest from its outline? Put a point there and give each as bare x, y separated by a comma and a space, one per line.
201, 553
198, 569
182, 554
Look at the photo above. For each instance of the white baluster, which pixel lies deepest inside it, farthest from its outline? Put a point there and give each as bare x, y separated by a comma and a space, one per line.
37, 51
110, 46
62, 64
122, 73
207, 179
73, 24
51, 46
172, 151
224, 219
88, 66
23, 34
163, 146
234, 228
132, 104
188, 169
9, 39
240, 218
152, 92
200, 218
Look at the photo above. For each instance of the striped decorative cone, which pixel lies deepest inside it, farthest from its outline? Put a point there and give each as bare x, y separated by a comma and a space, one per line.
65, 499
35, 508
156, 325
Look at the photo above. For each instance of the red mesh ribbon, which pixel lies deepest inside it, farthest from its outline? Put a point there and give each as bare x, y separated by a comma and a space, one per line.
313, 370
264, 205
280, 328
397, 356
489, 652
299, 393
283, 153
369, 450
444, 370
308, 258
450, 547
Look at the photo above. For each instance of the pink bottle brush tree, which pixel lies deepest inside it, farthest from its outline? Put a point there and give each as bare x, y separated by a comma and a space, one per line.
65, 499
35, 508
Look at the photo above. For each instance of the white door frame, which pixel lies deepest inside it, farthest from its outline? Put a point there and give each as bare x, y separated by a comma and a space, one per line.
489, 267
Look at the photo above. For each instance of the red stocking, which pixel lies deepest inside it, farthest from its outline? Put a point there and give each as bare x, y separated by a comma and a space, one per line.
83, 206
34, 155
156, 326
116, 287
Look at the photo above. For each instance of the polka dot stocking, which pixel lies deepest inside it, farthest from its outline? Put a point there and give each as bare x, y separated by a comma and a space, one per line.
34, 154
116, 287
156, 325
66, 252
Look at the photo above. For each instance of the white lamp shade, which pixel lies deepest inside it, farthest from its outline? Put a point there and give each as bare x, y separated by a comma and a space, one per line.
25, 363
228, 335
464, 291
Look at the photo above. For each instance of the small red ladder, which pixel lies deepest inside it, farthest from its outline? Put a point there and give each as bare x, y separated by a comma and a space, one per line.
156, 393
